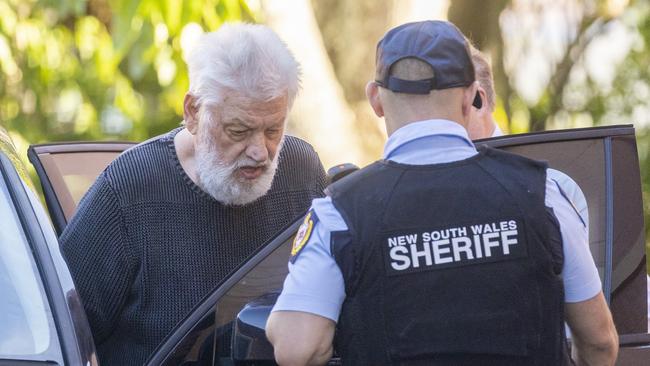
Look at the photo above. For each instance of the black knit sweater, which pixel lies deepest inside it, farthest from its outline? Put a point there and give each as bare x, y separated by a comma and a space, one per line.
147, 244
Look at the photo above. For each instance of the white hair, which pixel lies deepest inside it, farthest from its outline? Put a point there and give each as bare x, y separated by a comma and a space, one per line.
246, 58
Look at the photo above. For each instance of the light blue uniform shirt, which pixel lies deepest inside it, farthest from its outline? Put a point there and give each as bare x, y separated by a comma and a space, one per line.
315, 283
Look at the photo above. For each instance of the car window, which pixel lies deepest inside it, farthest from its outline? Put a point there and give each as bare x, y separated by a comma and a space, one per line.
584, 162
66, 172
27, 328
211, 340
607, 171
72, 174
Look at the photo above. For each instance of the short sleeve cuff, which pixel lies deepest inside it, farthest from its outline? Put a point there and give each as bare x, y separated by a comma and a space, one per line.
585, 292
307, 304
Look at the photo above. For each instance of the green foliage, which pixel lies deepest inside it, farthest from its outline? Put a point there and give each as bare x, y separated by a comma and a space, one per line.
628, 101
99, 69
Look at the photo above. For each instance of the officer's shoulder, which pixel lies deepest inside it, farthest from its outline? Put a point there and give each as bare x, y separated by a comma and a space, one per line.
356, 180
512, 158
143, 158
295, 146
299, 165
328, 215
561, 178
299, 153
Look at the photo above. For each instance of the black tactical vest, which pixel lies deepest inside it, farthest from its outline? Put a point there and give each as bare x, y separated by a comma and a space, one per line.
450, 264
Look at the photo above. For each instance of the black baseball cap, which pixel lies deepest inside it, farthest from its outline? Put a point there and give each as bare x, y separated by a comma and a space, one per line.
438, 43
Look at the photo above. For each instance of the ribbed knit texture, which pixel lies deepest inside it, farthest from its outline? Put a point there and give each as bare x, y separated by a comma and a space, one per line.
147, 244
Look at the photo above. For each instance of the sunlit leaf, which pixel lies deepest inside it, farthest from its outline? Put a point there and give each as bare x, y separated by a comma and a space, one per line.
126, 25
232, 9
210, 17
172, 13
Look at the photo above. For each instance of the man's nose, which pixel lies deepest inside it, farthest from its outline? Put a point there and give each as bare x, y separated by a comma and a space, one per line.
257, 149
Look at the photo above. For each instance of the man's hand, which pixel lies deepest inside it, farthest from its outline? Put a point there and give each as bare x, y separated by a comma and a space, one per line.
300, 339
594, 337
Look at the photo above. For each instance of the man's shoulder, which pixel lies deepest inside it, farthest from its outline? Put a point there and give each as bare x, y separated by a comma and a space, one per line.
299, 162
140, 163
298, 151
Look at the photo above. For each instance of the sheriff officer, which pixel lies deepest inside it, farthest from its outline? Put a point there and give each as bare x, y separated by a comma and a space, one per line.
440, 254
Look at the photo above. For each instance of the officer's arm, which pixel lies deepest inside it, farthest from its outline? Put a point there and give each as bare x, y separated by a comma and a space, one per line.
594, 337
301, 325
300, 338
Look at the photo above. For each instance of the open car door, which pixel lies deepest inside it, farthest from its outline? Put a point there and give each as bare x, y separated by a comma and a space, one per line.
227, 328
67, 170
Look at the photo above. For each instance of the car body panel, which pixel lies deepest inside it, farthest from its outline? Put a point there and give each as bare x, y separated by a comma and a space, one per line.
67, 170
73, 339
604, 163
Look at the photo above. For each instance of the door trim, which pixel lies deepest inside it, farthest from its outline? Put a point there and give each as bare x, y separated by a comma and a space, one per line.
39, 156
49, 277
206, 306
557, 135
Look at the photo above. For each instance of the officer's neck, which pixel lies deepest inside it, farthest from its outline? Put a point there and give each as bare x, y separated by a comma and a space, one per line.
395, 122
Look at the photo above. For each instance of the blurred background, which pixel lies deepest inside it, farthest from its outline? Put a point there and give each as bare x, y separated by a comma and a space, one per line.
115, 69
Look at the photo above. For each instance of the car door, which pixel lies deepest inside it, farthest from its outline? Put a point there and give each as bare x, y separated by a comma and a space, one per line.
42, 321
67, 170
227, 328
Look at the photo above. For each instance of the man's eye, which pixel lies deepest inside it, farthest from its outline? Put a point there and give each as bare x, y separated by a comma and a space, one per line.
272, 133
238, 133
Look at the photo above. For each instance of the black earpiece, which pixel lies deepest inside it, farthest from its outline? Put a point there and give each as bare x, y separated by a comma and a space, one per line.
478, 102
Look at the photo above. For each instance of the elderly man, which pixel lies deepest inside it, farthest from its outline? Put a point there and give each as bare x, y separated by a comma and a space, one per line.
440, 254
167, 220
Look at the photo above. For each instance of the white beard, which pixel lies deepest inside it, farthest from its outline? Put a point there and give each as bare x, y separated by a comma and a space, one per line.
219, 181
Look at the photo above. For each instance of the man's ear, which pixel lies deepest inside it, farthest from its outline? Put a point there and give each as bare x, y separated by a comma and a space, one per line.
191, 113
468, 98
372, 92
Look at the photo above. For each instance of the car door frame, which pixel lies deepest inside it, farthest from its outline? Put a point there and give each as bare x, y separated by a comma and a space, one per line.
38, 155
73, 351
613, 184
580, 134
183, 330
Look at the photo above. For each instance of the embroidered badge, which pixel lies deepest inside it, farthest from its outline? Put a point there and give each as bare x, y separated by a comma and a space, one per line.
303, 234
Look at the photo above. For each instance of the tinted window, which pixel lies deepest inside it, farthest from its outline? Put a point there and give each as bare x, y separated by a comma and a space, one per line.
71, 174
600, 166
213, 335
584, 162
26, 328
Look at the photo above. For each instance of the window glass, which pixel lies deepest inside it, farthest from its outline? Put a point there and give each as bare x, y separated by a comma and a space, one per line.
584, 162
266, 278
211, 340
24, 314
79, 170
72, 174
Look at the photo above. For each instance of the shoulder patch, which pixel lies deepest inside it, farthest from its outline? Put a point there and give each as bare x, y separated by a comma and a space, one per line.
304, 233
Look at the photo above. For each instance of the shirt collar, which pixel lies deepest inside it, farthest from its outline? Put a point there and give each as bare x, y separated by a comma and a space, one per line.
426, 128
